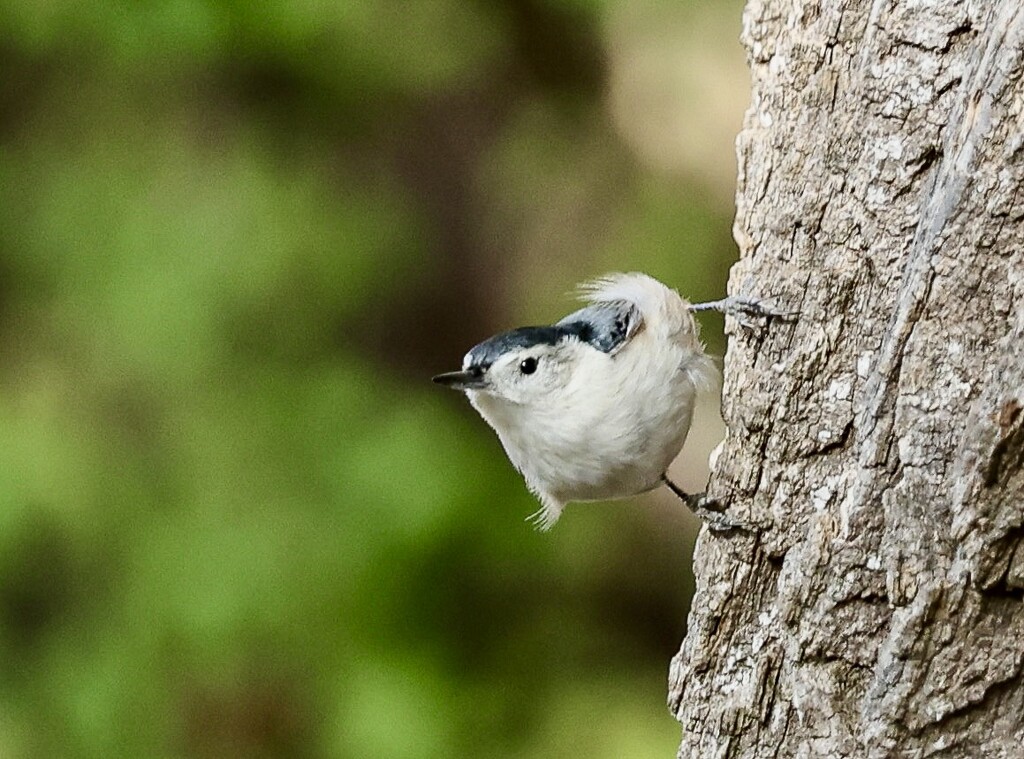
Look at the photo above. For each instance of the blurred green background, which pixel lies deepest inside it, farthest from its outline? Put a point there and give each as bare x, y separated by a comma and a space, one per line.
236, 240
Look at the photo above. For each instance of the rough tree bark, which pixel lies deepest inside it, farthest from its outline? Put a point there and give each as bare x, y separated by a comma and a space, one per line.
877, 440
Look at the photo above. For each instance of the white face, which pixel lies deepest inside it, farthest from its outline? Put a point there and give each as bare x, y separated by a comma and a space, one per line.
534, 375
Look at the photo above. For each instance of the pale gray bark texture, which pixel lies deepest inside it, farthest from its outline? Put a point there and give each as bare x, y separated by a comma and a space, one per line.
876, 441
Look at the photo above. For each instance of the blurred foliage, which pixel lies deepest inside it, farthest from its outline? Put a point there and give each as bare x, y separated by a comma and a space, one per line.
235, 517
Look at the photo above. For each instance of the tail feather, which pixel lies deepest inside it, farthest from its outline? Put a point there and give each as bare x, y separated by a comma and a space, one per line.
657, 303
662, 308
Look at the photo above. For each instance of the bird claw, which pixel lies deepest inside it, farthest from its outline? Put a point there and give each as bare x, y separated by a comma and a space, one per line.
712, 513
707, 509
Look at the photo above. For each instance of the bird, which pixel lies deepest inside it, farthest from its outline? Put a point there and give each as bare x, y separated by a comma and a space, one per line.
597, 405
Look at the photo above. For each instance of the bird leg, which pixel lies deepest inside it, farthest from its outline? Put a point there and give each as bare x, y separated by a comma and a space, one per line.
744, 310
707, 509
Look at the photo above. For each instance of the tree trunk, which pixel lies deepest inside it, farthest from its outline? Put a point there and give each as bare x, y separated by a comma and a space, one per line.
876, 440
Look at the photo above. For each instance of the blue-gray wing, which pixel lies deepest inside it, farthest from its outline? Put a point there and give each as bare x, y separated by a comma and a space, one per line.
607, 326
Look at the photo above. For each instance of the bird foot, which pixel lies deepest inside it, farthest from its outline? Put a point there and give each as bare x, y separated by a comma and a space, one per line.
707, 509
745, 310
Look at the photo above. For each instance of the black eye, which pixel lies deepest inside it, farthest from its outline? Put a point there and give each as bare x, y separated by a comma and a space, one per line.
528, 365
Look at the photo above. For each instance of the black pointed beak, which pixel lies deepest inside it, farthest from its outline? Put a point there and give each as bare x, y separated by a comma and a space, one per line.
470, 379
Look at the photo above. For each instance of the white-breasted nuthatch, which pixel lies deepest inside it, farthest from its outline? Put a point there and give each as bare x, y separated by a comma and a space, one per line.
597, 405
